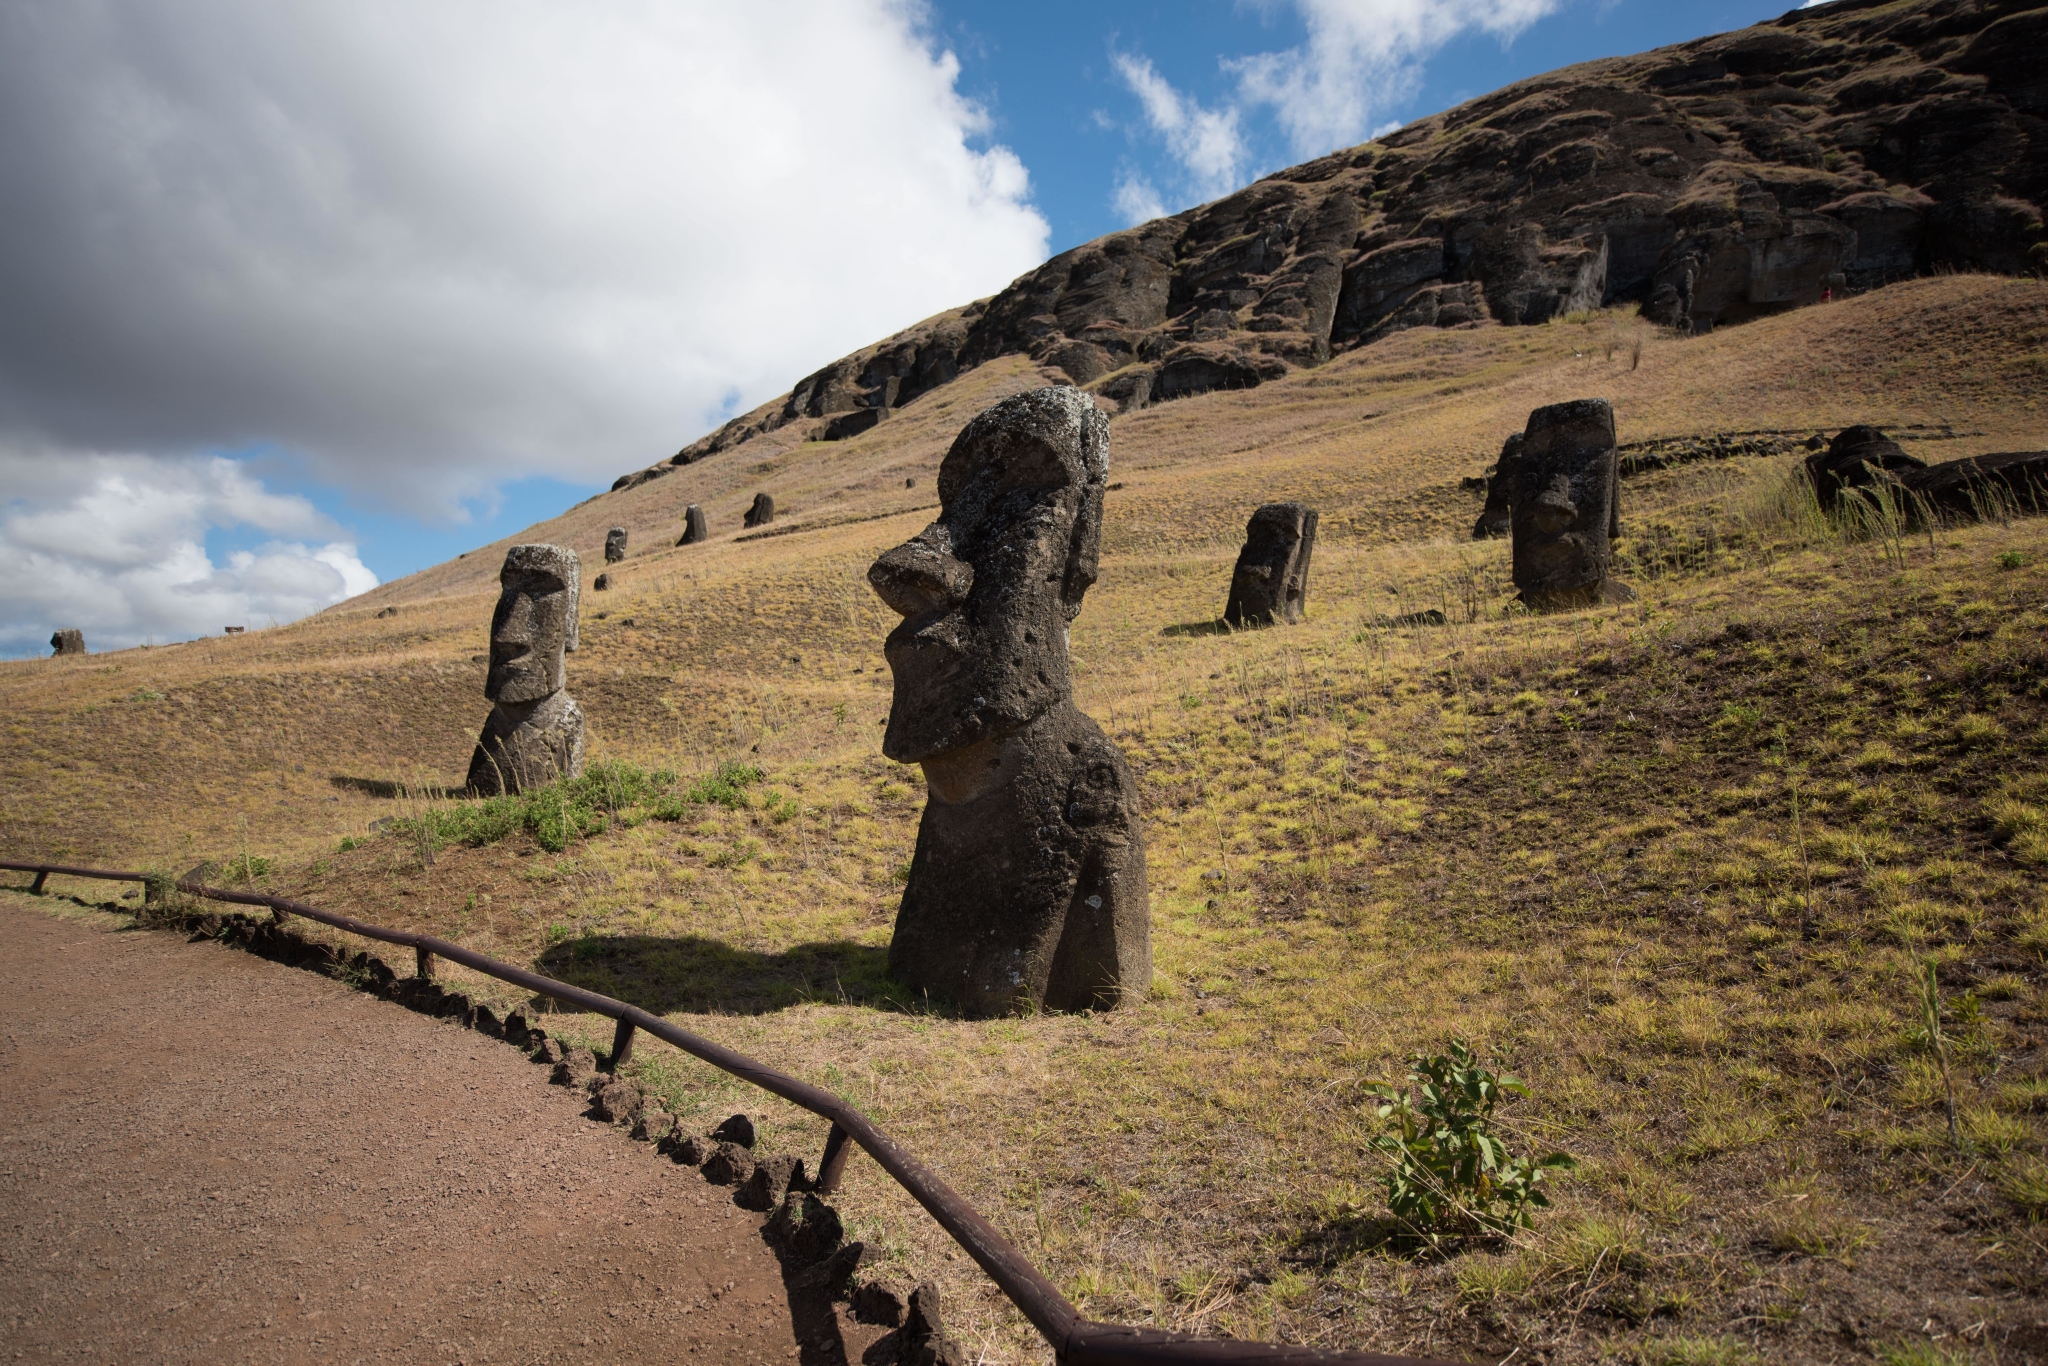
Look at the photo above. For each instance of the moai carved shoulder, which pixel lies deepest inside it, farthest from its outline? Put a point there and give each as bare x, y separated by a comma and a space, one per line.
1027, 889
535, 731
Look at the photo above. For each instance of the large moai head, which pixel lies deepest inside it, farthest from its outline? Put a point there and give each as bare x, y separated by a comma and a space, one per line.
615, 545
534, 624
1270, 582
987, 590
1565, 511
68, 641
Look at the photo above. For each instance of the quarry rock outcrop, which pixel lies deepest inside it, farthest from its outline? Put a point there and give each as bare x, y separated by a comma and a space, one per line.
1270, 581
615, 545
1566, 511
535, 731
761, 512
68, 641
1027, 888
696, 529
1837, 147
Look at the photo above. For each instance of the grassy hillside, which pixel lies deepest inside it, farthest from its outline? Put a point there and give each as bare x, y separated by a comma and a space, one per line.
1678, 864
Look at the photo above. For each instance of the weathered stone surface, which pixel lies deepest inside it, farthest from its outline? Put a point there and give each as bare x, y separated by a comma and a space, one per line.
550, 1051
1270, 582
618, 1101
735, 1129
69, 641
653, 1125
535, 732
1565, 510
519, 1028
1980, 486
879, 1302
807, 1228
1497, 517
1857, 458
693, 1150
924, 1336
484, 1020
577, 1067
615, 545
834, 1275
1027, 888
761, 513
1719, 180
770, 1181
728, 1165
696, 530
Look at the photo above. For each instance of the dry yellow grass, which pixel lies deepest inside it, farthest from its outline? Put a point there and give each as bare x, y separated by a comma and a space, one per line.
1568, 839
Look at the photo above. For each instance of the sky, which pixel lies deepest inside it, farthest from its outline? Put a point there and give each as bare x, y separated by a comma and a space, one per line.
303, 297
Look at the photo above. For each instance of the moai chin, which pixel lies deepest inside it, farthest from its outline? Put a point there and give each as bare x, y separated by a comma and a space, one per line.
615, 545
1027, 889
1566, 507
68, 641
1270, 582
535, 732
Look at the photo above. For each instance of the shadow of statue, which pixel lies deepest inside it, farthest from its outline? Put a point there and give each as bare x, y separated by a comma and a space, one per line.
1215, 627
391, 791
661, 974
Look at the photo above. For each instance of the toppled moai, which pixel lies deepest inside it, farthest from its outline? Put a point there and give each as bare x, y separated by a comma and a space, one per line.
1497, 517
1566, 513
69, 641
695, 529
761, 513
1027, 888
1270, 582
615, 545
535, 732
1858, 458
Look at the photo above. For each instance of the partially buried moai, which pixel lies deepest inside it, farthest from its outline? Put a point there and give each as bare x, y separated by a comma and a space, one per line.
535, 732
761, 512
696, 529
1270, 582
69, 641
615, 545
1566, 491
1027, 889
1498, 516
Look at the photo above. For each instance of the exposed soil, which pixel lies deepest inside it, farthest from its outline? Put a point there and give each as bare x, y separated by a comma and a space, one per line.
206, 1157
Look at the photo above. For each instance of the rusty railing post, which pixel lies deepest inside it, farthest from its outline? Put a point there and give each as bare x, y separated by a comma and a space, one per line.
36, 889
422, 963
833, 1164
622, 1046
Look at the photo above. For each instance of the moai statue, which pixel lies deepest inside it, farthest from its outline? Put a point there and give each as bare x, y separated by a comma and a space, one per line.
1027, 889
1270, 582
615, 545
535, 732
761, 513
69, 641
695, 529
1566, 507
1497, 517
1859, 457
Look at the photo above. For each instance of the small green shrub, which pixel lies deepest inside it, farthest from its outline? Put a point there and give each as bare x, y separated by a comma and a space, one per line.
349, 844
1451, 1175
244, 869
2011, 559
577, 808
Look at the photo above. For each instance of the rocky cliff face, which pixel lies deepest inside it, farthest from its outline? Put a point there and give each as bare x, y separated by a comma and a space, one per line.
1838, 147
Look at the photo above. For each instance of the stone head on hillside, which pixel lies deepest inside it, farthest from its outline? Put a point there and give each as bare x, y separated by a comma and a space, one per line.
535, 731
1027, 889
69, 641
615, 545
1567, 483
1270, 582
1859, 457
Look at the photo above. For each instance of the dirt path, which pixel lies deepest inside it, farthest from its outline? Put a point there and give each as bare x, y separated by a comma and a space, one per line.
205, 1157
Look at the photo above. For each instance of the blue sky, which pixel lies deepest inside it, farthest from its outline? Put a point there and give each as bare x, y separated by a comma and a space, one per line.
376, 283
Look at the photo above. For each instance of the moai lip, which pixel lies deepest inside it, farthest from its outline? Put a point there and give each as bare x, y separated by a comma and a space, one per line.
1270, 582
535, 731
1565, 493
1027, 888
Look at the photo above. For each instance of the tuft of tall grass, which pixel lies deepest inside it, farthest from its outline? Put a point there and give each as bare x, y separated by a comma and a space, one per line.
610, 791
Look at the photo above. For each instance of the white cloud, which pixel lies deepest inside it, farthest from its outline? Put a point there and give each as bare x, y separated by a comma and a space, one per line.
115, 545
424, 248
1363, 56
1136, 200
1206, 142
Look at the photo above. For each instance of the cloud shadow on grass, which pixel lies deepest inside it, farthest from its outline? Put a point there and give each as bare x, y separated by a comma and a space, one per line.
661, 974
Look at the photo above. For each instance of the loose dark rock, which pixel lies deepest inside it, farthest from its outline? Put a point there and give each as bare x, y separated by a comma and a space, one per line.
692, 1150
576, 1068
616, 1102
770, 1181
925, 1340
653, 1125
807, 1228
551, 1051
728, 1165
879, 1302
736, 1129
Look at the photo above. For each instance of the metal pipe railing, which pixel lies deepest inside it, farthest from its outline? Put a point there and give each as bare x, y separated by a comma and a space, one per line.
1075, 1341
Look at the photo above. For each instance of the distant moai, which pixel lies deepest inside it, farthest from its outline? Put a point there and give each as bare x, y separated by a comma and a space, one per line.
695, 529
1027, 889
68, 641
615, 545
1270, 582
1566, 497
535, 732
1497, 517
1859, 457
762, 512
